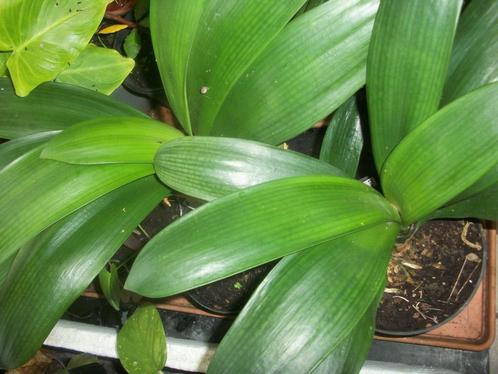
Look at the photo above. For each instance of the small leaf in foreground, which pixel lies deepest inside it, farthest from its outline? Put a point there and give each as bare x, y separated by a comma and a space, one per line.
141, 343
132, 44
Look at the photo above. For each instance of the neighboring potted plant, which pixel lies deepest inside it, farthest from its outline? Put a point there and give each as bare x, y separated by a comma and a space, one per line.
336, 234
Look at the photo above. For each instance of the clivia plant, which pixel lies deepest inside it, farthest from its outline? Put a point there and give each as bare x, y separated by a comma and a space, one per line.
82, 170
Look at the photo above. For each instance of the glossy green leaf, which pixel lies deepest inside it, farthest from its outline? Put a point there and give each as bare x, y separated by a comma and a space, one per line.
173, 26
314, 65
351, 352
37, 193
141, 343
110, 140
209, 167
132, 44
407, 66
98, 69
12, 150
217, 62
195, 55
473, 61
343, 140
483, 205
54, 106
52, 270
4, 56
252, 227
489, 179
109, 283
45, 36
445, 155
308, 308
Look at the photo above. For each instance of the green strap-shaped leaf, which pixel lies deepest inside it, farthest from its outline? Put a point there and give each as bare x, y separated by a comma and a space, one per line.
473, 61
195, 55
445, 155
314, 65
12, 150
52, 270
173, 26
109, 284
37, 193
217, 62
407, 66
308, 308
54, 106
252, 227
141, 343
98, 69
45, 36
489, 179
483, 205
110, 140
208, 167
343, 140
351, 352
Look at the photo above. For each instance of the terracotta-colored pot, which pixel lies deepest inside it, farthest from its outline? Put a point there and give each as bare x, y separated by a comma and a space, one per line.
474, 328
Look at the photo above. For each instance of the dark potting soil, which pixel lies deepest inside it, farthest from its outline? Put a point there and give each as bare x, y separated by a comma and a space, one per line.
431, 275
229, 295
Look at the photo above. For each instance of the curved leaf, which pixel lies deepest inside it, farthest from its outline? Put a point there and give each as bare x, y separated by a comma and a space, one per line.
309, 69
98, 69
141, 343
37, 193
110, 140
343, 140
12, 150
482, 205
54, 106
487, 180
208, 167
350, 353
52, 270
173, 26
46, 35
287, 330
109, 284
217, 62
132, 44
445, 155
407, 66
251, 227
193, 51
473, 61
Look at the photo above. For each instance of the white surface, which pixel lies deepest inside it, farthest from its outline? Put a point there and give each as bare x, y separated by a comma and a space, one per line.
189, 355
183, 354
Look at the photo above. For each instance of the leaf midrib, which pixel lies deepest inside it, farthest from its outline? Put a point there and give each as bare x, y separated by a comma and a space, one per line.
52, 26
91, 68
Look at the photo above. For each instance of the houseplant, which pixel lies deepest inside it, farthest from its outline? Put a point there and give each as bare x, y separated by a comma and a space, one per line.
89, 224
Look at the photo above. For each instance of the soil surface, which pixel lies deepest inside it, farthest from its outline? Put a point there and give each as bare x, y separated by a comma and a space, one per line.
431, 275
